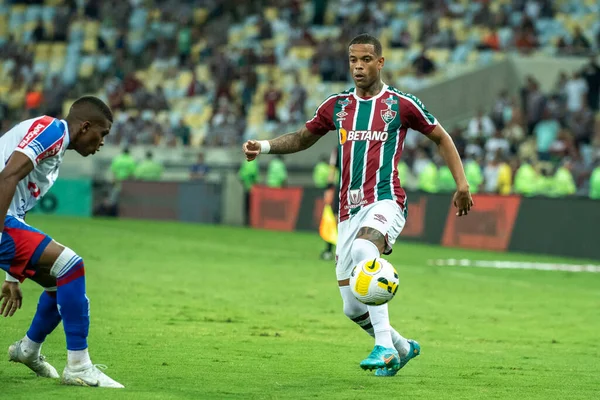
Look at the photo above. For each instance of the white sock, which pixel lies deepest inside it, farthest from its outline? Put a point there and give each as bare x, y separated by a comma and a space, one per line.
78, 359
29, 347
380, 320
400, 343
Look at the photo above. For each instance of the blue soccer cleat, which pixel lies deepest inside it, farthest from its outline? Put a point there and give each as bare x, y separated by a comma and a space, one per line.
382, 358
414, 351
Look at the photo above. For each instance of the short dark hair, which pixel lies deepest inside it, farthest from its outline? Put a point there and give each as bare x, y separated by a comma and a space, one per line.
365, 38
93, 103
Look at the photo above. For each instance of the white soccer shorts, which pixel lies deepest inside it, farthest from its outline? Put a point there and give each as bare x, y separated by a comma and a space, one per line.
386, 216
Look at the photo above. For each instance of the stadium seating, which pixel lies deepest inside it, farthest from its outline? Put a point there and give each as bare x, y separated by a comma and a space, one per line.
86, 67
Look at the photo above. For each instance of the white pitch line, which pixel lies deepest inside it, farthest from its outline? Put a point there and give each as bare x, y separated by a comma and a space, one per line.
515, 265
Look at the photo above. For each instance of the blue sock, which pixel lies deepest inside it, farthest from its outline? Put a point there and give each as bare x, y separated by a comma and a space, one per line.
73, 305
46, 318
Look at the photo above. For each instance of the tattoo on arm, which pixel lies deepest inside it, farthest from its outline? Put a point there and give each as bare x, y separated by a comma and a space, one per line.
294, 142
373, 236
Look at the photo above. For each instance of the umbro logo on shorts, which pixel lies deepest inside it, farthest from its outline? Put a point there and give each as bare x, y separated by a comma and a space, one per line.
380, 218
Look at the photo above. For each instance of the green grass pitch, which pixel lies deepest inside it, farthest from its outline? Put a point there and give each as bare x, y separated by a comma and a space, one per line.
182, 311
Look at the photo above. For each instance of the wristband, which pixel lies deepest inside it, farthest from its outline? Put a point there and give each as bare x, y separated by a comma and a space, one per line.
265, 147
10, 278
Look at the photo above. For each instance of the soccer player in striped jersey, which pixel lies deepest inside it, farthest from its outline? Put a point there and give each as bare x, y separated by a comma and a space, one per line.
31, 154
371, 121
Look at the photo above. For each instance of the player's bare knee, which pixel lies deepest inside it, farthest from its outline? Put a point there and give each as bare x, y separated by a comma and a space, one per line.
372, 235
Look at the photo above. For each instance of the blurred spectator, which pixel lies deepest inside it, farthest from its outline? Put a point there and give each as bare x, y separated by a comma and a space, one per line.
580, 44
459, 140
504, 176
576, 90
491, 174
265, 31
428, 177
484, 15
53, 96
184, 43
276, 172
474, 174
272, 97
445, 39
534, 102
158, 101
33, 100
481, 126
491, 41
321, 173
514, 133
446, 183
560, 86
123, 166
564, 184
196, 88
497, 146
183, 132
581, 123
149, 169
248, 175
402, 40
563, 146
200, 169
420, 162
526, 179
298, 101
546, 132
423, 65
591, 74
499, 110
39, 32
525, 40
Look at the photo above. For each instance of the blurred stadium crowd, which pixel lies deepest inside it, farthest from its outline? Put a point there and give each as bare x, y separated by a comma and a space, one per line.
207, 73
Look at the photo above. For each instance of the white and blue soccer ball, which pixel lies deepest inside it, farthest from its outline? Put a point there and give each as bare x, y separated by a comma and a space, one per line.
374, 282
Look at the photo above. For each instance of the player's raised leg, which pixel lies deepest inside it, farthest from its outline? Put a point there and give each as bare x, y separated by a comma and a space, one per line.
68, 269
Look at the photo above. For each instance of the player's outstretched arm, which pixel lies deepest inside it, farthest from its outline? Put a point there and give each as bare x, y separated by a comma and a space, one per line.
462, 197
293, 142
17, 168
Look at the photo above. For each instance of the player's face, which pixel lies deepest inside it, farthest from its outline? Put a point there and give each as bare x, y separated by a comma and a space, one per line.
365, 65
92, 136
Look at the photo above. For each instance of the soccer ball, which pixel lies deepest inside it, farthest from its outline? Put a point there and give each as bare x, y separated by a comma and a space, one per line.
374, 282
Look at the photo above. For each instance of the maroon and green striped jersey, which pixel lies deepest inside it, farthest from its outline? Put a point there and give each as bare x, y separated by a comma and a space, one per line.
371, 136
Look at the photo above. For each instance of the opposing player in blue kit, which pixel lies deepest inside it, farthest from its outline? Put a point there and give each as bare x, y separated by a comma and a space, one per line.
31, 154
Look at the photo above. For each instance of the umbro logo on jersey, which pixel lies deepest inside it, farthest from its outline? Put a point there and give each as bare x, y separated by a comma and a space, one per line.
356, 136
389, 101
341, 114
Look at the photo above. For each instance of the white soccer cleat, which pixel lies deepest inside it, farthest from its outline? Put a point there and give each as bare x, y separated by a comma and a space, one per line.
35, 363
89, 376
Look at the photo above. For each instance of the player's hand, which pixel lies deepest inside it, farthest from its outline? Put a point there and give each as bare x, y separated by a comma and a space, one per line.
463, 201
11, 297
251, 149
